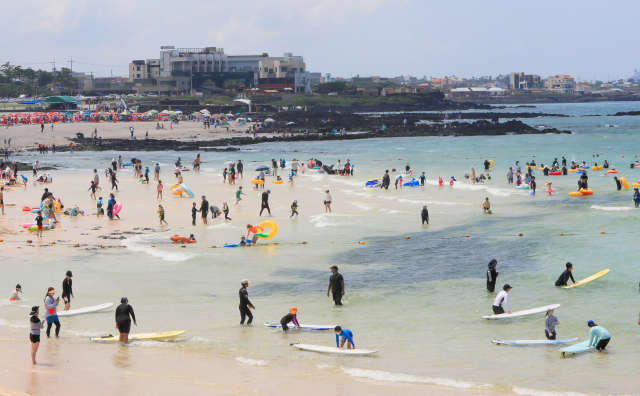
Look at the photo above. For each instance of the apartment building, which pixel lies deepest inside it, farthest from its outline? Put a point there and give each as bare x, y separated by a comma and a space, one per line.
519, 80
561, 83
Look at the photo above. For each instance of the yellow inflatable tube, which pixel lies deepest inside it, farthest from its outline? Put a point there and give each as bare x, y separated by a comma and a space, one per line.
273, 229
596, 167
635, 184
624, 182
572, 170
574, 194
257, 182
491, 162
278, 181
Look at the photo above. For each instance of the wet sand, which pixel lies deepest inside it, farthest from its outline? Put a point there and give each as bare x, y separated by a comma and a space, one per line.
71, 367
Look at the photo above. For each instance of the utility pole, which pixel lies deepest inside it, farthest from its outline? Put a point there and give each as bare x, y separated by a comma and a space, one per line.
54, 76
71, 61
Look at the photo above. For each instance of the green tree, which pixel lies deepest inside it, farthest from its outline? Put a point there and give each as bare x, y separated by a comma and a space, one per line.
44, 77
7, 70
337, 86
29, 74
64, 78
208, 83
233, 84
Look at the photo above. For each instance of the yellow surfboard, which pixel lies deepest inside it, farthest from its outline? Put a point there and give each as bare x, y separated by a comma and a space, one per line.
589, 279
142, 336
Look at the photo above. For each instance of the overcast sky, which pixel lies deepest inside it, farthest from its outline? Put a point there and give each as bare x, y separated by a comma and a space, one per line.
584, 38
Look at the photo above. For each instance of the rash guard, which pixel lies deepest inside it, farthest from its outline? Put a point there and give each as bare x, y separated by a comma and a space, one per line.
598, 333
346, 334
503, 296
123, 311
254, 229
564, 278
288, 318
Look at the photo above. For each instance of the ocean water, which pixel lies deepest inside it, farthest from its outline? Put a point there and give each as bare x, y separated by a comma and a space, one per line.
418, 300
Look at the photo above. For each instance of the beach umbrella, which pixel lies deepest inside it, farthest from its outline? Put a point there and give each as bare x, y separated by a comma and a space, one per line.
164, 112
153, 111
205, 111
249, 119
125, 113
67, 113
196, 114
229, 115
290, 123
223, 123
177, 111
269, 120
263, 167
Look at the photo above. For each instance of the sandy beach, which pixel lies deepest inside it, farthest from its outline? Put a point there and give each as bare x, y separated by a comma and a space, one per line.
29, 136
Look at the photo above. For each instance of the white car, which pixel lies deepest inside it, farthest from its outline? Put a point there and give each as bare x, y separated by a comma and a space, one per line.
152, 95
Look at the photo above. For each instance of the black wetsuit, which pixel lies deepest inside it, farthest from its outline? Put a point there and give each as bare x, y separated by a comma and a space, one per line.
492, 276
114, 165
386, 179
618, 184
66, 290
244, 306
425, 216
240, 167
564, 278
122, 317
487, 164
204, 208
265, 203
286, 319
336, 287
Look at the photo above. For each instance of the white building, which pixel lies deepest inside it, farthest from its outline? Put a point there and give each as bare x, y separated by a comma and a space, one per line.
561, 83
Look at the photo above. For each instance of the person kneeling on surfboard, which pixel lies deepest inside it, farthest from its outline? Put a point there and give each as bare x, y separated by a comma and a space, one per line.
598, 336
342, 336
288, 318
503, 296
566, 275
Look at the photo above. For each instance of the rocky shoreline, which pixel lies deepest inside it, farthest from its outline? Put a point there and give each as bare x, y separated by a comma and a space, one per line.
454, 129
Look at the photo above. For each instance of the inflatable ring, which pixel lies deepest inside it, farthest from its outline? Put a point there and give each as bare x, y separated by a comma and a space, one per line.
624, 182
574, 194
635, 184
117, 208
56, 206
596, 168
173, 187
177, 238
523, 187
557, 173
26, 209
273, 229
573, 170
257, 182
491, 162
278, 181
612, 171
35, 227
588, 191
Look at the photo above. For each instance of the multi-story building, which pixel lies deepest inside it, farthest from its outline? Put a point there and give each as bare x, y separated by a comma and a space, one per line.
446, 83
519, 80
561, 83
211, 64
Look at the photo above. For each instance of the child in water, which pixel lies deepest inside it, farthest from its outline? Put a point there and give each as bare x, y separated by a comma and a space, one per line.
99, 204
161, 215
452, 181
440, 182
294, 209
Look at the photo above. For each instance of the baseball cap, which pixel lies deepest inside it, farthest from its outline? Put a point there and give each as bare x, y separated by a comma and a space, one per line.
268, 191
124, 299
244, 282
507, 286
334, 267
69, 274
590, 323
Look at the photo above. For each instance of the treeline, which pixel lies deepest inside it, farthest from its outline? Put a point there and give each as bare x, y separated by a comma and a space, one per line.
16, 81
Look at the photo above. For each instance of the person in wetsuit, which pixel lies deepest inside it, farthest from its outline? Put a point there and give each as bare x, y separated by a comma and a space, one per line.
123, 321
265, 202
566, 275
618, 183
386, 180
245, 304
288, 318
425, 214
67, 291
492, 275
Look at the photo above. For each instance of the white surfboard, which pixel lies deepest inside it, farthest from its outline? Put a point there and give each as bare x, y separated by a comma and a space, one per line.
533, 342
526, 312
85, 310
334, 350
302, 326
577, 348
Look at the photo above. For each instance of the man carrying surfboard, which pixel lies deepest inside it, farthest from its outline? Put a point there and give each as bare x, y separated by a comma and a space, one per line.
566, 275
503, 296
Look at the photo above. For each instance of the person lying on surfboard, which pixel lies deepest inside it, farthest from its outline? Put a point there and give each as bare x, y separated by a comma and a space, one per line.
566, 275
342, 336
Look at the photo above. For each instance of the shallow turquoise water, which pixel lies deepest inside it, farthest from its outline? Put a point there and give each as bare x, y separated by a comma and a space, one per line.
417, 300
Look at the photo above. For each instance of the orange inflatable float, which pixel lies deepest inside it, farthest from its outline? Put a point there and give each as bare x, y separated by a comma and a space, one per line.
178, 238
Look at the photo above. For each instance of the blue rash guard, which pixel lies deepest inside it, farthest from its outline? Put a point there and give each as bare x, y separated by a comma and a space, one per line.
346, 334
